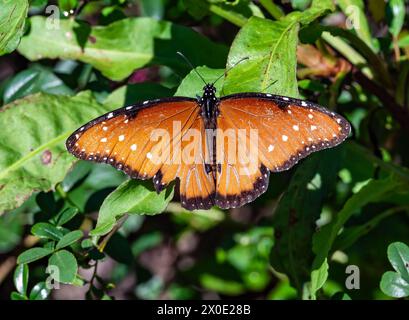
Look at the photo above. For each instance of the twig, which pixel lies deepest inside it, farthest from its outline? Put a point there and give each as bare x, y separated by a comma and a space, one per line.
6, 267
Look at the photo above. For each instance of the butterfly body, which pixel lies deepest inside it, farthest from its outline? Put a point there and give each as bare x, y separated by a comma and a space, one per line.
222, 150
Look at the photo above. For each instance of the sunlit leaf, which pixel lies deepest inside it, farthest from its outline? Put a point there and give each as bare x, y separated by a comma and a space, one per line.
133, 197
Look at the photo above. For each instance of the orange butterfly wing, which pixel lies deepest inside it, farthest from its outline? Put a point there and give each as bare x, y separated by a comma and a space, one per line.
285, 130
147, 141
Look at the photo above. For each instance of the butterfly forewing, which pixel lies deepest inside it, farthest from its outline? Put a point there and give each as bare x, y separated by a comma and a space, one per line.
133, 139
284, 130
163, 140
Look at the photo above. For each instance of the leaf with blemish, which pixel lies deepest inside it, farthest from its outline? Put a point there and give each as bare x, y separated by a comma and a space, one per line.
32, 149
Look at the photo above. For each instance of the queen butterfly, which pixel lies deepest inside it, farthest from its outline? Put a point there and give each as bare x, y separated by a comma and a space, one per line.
237, 141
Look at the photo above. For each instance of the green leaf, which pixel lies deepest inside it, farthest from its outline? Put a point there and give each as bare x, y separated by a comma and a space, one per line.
86, 244
394, 285
47, 231
318, 278
36, 158
134, 197
12, 19
271, 65
270, 49
33, 254
297, 212
374, 191
21, 278
66, 215
395, 15
398, 255
121, 47
66, 266
39, 292
33, 80
69, 239
17, 296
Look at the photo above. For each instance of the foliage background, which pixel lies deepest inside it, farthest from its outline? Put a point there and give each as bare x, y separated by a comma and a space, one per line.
65, 62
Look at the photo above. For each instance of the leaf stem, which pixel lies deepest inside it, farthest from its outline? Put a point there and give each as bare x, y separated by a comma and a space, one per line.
275, 11
118, 225
230, 16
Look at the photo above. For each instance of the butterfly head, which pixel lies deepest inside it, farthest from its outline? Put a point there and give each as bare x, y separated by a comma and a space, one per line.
209, 90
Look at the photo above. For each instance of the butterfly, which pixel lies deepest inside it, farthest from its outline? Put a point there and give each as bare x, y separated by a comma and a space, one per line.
222, 150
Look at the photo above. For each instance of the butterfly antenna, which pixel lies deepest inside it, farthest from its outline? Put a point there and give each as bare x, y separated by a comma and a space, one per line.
191, 65
224, 73
270, 85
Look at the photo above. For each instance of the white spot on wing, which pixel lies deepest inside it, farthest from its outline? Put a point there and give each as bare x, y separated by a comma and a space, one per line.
313, 128
121, 137
304, 104
284, 137
110, 115
270, 148
296, 128
149, 155
310, 116
129, 108
133, 147
104, 140
105, 128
